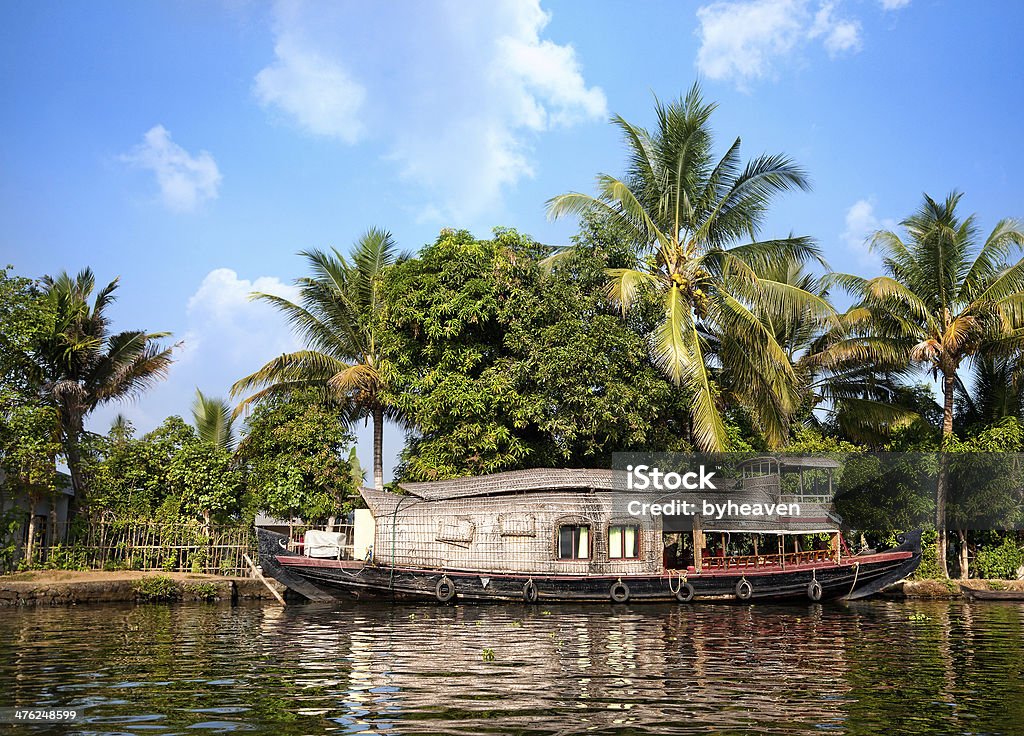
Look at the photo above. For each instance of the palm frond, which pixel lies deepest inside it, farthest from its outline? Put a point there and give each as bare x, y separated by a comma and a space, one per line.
213, 420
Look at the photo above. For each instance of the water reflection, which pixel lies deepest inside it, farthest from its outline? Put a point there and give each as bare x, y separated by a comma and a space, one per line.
931, 667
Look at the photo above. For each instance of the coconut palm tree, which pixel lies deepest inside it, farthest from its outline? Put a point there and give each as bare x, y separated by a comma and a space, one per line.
213, 420
996, 390
863, 401
943, 299
694, 224
335, 316
79, 365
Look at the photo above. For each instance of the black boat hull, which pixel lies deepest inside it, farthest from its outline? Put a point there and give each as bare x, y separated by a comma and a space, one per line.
852, 578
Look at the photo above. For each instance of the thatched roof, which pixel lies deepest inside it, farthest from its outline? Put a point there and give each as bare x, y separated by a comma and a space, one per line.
515, 481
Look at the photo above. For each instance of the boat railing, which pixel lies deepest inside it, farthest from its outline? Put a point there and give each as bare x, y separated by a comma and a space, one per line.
346, 550
788, 559
770, 482
806, 499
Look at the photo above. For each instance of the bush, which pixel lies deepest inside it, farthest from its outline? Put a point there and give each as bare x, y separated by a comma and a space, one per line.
202, 591
929, 567
65, 558
156, 588
1000, 562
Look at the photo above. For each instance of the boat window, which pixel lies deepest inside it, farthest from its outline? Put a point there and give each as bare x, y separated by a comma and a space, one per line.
758, 469
623, 542
573, 542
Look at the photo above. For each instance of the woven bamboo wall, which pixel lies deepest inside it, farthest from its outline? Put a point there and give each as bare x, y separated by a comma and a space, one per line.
514, 533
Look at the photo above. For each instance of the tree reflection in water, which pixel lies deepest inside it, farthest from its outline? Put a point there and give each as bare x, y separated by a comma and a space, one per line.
350, 668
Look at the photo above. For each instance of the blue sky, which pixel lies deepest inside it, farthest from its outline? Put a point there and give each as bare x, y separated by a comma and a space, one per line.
192, 148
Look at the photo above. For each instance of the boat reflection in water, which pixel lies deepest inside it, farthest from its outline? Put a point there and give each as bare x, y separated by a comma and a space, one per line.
731, 666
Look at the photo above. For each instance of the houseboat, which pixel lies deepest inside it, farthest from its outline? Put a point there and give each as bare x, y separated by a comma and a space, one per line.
563, 535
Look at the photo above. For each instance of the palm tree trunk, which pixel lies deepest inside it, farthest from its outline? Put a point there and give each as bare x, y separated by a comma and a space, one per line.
378, 447
30, 546
73, 453
964, 561
948, 383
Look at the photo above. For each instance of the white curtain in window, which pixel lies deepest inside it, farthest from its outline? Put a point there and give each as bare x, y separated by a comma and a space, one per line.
615, 542
630, 545
584, 548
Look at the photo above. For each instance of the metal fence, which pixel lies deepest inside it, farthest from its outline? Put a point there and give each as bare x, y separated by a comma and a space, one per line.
134, 544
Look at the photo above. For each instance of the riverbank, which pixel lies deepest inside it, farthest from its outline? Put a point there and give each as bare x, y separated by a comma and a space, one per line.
70, 587
944, 589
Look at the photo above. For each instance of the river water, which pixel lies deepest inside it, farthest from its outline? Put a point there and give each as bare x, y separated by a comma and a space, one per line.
863, 668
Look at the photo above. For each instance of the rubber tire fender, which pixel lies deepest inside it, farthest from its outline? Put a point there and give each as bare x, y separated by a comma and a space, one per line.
444, 590
685, 593
744, 590
530, 591
814, 591
619, 592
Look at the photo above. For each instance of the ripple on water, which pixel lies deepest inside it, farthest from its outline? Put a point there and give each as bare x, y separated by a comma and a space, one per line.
931, 667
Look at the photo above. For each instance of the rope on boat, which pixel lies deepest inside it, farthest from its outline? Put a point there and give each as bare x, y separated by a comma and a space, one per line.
814, 589
679, 584
856, 572
680, 578
394, 525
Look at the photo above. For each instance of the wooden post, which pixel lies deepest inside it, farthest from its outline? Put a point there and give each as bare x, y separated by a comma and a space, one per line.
698, 544
836, 547
259, 576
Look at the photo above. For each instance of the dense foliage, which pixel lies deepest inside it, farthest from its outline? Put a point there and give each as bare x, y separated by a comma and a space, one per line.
500, 365
295, 455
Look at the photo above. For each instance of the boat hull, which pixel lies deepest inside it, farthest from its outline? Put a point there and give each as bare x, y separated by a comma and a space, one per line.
327, 579
981, 594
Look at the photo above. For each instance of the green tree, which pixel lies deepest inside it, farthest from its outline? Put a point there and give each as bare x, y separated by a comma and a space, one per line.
336, 317
78, 364
296, 459
996, 390
206, 482
29, 445
29, 430
25, 316
130, 479
684, 213
499, 366
214, 421
986, 479
942, 300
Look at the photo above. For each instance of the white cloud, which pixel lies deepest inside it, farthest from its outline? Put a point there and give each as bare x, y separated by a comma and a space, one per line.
319, 94
838, 35
743, 40
223, 336
223, 319
455, 94
894, 4
185, 181
861, 224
